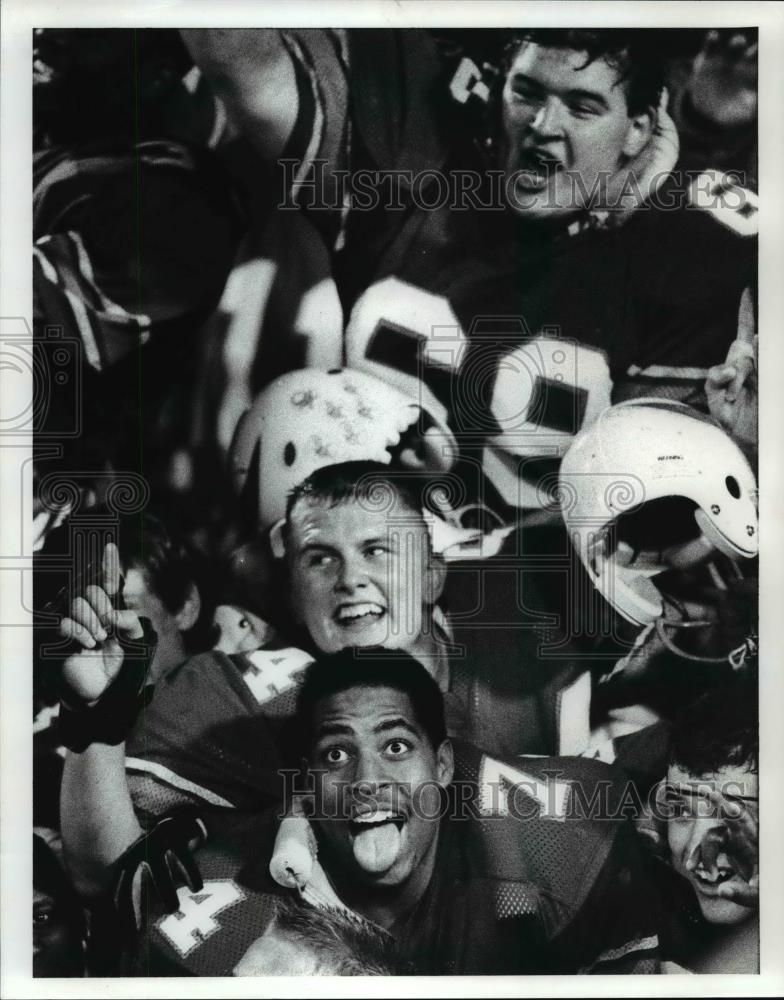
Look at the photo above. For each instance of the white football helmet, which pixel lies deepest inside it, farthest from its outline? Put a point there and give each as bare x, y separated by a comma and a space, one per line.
310, 418
654, 486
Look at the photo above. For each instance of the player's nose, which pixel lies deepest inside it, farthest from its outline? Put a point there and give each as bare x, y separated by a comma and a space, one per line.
548, 120
351, 574
370, 774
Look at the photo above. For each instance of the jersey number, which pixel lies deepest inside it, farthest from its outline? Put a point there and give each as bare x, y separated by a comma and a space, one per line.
195, 920
733, 206
497, 782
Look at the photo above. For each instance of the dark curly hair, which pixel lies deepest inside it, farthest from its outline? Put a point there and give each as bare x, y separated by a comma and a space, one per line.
331, 673
638, 55
720, 729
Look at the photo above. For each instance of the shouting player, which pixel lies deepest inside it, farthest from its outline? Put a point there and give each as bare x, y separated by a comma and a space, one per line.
522, 312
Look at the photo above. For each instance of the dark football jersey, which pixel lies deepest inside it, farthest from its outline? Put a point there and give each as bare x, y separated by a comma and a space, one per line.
519, 334
535, 873
213, 733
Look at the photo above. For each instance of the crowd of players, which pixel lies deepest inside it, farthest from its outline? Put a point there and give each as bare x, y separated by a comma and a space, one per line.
396, 601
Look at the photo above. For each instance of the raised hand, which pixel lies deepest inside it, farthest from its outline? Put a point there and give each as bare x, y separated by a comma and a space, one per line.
723, 83
98, 623
732, 387
742, 846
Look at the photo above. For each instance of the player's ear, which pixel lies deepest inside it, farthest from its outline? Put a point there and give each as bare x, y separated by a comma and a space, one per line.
435, 578
638, 134
445, 763
189, 613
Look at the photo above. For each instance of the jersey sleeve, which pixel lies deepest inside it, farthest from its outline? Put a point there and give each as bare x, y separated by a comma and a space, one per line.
205, 739
319, 145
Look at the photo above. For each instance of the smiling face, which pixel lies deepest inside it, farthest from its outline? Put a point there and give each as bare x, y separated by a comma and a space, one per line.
378, 781
686, 836
563, 119
362, 576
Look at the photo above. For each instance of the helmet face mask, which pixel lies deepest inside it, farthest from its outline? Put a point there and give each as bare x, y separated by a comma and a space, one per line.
654, 495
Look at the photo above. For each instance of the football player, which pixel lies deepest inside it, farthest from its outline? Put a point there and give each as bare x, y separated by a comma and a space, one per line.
521, 313
707, 813
472, 866
361, 572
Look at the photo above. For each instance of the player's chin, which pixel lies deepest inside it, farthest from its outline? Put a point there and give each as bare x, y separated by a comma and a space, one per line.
720, 910
537, 203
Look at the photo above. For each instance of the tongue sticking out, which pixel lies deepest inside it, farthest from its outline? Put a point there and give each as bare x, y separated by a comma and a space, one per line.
376, 849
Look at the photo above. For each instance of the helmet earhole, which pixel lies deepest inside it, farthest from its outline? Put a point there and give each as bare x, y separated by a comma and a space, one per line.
733, 487
289, 453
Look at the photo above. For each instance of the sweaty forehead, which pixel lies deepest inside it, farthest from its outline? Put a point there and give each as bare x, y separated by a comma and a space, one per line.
314, 519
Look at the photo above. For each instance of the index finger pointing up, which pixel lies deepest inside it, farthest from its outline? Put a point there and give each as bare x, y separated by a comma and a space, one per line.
110, 569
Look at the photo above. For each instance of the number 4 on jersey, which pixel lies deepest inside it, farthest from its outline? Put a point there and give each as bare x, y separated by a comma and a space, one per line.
195, 920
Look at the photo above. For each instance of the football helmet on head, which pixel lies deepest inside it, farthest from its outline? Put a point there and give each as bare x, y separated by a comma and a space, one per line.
653, 487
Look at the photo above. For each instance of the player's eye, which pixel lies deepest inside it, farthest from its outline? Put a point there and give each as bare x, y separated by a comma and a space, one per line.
672, 801
319, 560
525, 92
376, 551
398, 748
42, 917
585, 110
243, 623
334, 756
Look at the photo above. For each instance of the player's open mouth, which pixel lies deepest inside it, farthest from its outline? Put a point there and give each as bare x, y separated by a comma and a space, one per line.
377, 837
362, 613
709, 881
535, 168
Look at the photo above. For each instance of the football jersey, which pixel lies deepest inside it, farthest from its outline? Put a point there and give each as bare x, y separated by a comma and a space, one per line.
218, 728
517, 335
524, 681
528, 881
213, 733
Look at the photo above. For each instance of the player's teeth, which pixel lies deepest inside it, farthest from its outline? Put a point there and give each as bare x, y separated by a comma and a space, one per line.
359, 610
379, 816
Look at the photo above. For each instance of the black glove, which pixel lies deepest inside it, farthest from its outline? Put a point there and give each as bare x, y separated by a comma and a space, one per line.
162, 857
111, 717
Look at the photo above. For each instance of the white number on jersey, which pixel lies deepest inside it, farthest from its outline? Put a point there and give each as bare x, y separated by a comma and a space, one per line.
404, 335
195, 920
497, 781
545, 392
733, 206
272, 671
